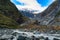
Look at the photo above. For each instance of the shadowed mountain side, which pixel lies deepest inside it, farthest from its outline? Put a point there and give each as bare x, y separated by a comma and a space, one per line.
9, 14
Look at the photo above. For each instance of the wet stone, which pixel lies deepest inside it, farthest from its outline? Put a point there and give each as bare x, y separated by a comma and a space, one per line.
56, 39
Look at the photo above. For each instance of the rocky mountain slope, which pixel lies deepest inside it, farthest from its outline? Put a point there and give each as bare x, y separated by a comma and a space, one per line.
27, 13
51, 13
9, 15
51, 19
49, 9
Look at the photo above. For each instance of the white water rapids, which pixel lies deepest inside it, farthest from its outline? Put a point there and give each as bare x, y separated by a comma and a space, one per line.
29, 34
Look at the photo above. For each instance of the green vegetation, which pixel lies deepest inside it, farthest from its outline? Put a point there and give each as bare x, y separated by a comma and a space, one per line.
10, 17
7, 22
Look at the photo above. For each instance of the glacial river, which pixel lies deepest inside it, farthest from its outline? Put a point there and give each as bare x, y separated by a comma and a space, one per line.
29, 34
5, 32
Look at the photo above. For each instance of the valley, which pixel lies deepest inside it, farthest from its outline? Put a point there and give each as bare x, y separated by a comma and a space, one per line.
25, 25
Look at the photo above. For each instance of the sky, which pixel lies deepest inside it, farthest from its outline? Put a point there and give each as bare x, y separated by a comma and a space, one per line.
39, 5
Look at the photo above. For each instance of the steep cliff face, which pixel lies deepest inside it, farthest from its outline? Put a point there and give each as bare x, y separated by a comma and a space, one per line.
9, 15
51, 13
50, 8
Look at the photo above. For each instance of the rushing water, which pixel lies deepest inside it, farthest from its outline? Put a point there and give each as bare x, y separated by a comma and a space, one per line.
29, 34
26, 34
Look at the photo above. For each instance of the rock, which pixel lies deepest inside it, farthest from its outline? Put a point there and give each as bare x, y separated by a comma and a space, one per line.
56, 39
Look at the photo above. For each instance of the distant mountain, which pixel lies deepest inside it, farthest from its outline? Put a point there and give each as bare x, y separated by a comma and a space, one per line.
9, 15
28, 13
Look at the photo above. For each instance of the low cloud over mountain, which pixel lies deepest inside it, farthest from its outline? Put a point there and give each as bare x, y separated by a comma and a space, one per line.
32, 4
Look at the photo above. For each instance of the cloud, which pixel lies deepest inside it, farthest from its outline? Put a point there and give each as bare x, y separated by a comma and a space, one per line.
40, 9
31, 5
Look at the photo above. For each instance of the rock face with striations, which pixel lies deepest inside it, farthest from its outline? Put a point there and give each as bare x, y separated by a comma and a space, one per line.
51, 8
50, 13
9, 15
